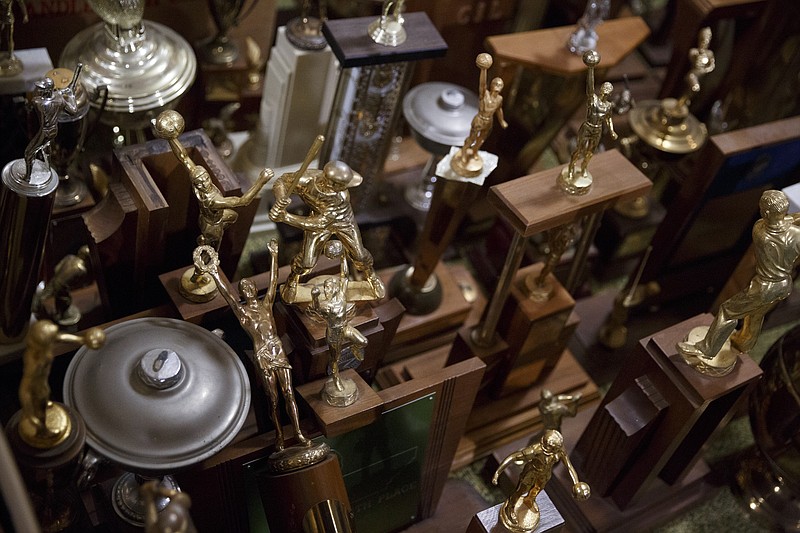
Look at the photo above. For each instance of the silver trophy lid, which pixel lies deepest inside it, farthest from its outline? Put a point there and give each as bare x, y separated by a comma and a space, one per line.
440, 114
161, 394
146, 77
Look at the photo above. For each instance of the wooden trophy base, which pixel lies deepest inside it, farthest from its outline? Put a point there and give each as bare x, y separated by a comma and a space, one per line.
536, 332
292, 499
419, 333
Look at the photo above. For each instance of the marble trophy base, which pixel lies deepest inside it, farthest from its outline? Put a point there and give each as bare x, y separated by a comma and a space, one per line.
49, 472
547, 520
34, 62
470, 173
339, 393
720, 365
578, 184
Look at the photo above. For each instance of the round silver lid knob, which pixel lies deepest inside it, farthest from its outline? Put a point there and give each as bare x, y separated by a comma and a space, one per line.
452, 99
160, 368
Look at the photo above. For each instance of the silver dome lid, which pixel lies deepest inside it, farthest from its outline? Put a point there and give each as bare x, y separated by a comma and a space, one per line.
440, 114
149, 412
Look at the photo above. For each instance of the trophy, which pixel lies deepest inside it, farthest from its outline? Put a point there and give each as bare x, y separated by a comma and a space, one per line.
598, 114
520, 512
388, 29
216, 210
305, 31
27, 197
584, 38
10, 65
69, 270
159, 396
145, 66
220, 50
46, 436
776, 246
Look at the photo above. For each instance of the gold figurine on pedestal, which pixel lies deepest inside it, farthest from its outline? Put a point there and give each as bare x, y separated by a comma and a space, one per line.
275, 372
467, 161
520, 512
388, 29
71, 268
44, 424
335, 311
325, 193
216, 210
10, 65
599, 111
558, 240
776, 246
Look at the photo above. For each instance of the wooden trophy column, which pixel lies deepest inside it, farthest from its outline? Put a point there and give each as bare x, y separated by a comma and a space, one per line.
640, 451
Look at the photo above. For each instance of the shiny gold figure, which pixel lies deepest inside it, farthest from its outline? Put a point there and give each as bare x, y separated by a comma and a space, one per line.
554, 407
702, 61
335, 311
776, 245
467, 161
257, 320
174, 518
599, 111
216, 210
10, 65
520, 512
325, 193
70, 269
45, 424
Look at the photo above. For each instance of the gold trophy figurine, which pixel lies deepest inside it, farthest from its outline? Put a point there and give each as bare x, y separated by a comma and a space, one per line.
45, 424
520, 513
776, 245
325, 192
599, 110
467, 161
10, 65
554, 407
558, 240
258, 321
71, 268
216, 210
330, 305
388, 29
174, 518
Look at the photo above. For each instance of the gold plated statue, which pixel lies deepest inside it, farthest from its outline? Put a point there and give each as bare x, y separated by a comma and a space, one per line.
388, 29
45, 424
71, 268
520, 512
216, 210
554, 407
467, 161
558, 240
174, 518
599, 111
330, 305
776, 245
325, 193
10, 65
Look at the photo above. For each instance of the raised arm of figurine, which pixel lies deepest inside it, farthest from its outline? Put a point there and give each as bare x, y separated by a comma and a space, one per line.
24, 9
248, 196
515, 457
206, 260
484, 66
272, 290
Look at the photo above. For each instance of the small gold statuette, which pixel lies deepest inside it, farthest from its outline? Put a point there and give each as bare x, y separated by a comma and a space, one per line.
10, 65
558, 240
554, 407
45, 424
388, 29
329, 305
325, 193
69, 270
275, 372
520, 513
599, 110
174, 518
216, 211
776, 245
467, 160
